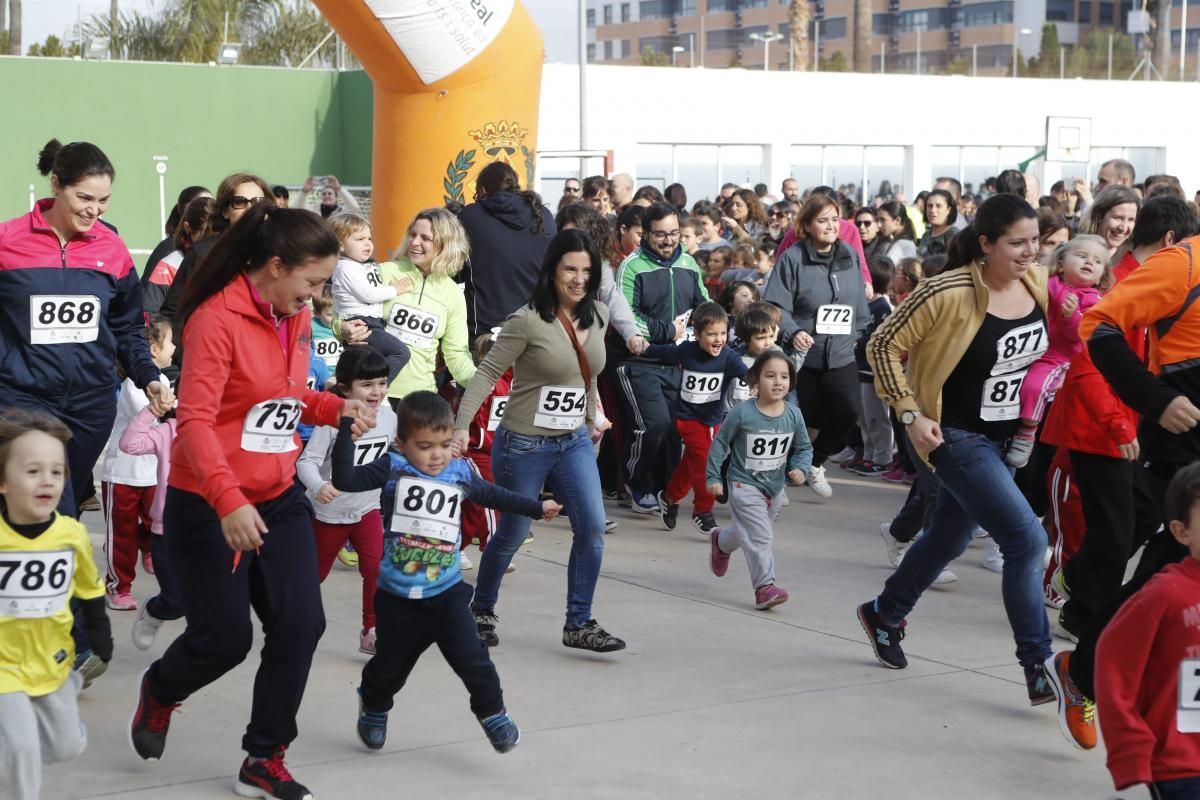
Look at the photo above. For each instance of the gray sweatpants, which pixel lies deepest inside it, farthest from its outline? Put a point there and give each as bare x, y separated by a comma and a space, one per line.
875, 423
752, 530
37, 730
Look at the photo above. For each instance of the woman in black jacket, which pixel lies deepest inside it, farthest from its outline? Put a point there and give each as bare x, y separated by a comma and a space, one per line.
817, 284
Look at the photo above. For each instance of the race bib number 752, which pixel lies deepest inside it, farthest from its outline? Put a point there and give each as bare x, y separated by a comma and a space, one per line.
270, 426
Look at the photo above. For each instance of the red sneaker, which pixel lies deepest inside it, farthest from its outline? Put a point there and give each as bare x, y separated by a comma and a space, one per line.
769, 596
718, 559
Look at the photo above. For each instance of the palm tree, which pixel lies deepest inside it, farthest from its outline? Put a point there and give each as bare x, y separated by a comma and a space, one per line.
862, 35
798, 18
14, 27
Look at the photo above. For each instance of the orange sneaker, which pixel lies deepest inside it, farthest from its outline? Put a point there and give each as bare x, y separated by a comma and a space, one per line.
1076, 713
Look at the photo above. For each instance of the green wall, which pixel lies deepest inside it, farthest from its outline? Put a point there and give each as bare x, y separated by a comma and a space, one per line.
209, 121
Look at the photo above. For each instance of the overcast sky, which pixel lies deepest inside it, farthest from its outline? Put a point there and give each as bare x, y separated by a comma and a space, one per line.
41, 18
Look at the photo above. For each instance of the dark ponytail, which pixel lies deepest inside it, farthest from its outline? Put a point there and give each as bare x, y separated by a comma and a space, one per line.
73, 162
499, 177
995, 216
293, 234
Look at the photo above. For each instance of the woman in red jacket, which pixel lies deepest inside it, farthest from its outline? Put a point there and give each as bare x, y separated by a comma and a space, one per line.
238, 525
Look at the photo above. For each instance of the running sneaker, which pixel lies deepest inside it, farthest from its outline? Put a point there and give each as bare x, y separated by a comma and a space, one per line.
667, 511
818, 483
501, 731
1058, 582
1038, 685
366, 642
1060, 629
853, 464
372, 726
885, 639
590, 636
485, 623
90, 504
643, 503
843, 455
147, 563
145, 628
90, 666
898, 475
348, 556
894, 548
718, 559
150, 723
464, 563
1052, 598
705, 522
623, 500
992, 559
1020, 448
610, 494
269, 778
769, 596
1076, 713
120, 601
945, 578
610, 525
868, 469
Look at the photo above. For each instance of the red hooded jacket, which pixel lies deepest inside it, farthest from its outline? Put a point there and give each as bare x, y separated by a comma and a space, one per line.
236, 361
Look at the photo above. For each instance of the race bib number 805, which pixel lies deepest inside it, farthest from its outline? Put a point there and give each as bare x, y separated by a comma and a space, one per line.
35, 584
64, 319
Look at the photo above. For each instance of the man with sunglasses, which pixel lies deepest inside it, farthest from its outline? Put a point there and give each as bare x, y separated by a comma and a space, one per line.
572, 190
662, 284
780, 219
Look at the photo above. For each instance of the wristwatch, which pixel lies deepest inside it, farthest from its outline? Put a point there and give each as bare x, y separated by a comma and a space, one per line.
909, 417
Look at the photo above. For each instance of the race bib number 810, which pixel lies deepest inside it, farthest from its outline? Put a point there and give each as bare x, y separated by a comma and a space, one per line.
64, 319
427, 508
35, 584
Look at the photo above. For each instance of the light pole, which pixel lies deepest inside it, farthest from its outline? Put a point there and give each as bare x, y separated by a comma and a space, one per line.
1018, 32
919, 29
766, 39
675, 51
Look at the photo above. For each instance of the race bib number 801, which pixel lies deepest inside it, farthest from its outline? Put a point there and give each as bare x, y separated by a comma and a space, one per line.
427, 508
35, 584
64, 319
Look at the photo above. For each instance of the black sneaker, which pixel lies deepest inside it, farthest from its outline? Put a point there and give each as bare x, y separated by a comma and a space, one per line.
590, 636
372, 726
885, 639
485, 623
150, 722
270, 779
667, 511
1038, 685
501, 731
705, 522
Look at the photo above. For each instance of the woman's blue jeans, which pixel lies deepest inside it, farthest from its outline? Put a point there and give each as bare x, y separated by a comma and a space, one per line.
976, 486
523, 464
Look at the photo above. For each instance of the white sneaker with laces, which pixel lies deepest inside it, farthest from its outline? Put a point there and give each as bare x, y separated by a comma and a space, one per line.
992, 559
842, 456
818, 483
465, 563
145, 628
892, 546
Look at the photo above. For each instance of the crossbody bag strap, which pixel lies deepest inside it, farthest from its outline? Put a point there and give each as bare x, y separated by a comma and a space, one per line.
584, 370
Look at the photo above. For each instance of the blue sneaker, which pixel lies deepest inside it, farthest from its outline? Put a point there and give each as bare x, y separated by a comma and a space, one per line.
372, 726
501, 731
885, 639
642, 503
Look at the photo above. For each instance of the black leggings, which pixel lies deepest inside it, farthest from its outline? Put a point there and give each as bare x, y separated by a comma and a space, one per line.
831, 401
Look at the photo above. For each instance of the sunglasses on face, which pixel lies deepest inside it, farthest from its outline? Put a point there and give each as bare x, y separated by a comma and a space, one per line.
865, 223
780, 214
570, 190
237, 202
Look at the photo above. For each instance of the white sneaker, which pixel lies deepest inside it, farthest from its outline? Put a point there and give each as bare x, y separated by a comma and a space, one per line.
842, 456
1061, 632
893, 547
944, 578
145, 628
464, 563
817, 482
992, 560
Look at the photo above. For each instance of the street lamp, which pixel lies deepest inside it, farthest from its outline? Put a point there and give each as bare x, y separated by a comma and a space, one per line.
1018, 32
766, 39
675, 51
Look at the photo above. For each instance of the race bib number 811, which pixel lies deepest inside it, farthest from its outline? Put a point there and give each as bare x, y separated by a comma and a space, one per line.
35, 584
767, 451
427, 508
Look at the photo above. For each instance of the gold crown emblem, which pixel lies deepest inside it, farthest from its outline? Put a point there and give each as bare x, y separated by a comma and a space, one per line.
497, 136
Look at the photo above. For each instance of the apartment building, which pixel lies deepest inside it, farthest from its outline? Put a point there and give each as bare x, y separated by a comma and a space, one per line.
910, 36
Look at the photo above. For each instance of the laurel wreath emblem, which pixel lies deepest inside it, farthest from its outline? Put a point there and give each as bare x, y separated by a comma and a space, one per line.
456, 174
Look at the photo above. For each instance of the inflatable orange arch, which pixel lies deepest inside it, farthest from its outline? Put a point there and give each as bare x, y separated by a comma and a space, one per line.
456, 87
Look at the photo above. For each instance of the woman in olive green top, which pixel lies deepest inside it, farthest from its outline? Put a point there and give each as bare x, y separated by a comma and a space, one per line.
546, 430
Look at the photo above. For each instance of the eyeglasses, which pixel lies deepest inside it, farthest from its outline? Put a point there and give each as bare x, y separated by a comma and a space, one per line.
570, 190
237, 202
662, 236
864, 223
780, 214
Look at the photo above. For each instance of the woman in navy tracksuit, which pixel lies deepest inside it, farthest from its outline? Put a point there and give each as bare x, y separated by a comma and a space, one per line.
71, 306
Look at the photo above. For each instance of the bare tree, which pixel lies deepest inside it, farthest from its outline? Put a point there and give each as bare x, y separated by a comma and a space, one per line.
862, 35
14, 27
798, 16
114, 23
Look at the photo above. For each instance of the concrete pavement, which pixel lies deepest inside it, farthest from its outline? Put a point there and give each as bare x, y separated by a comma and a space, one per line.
712, 699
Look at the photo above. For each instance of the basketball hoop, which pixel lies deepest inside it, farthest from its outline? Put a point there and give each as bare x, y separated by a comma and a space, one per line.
1068, 139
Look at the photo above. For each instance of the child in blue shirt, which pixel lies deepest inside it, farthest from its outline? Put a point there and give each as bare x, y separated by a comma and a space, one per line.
764, 438
421, 597
875, 419
707, 365
757, 328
